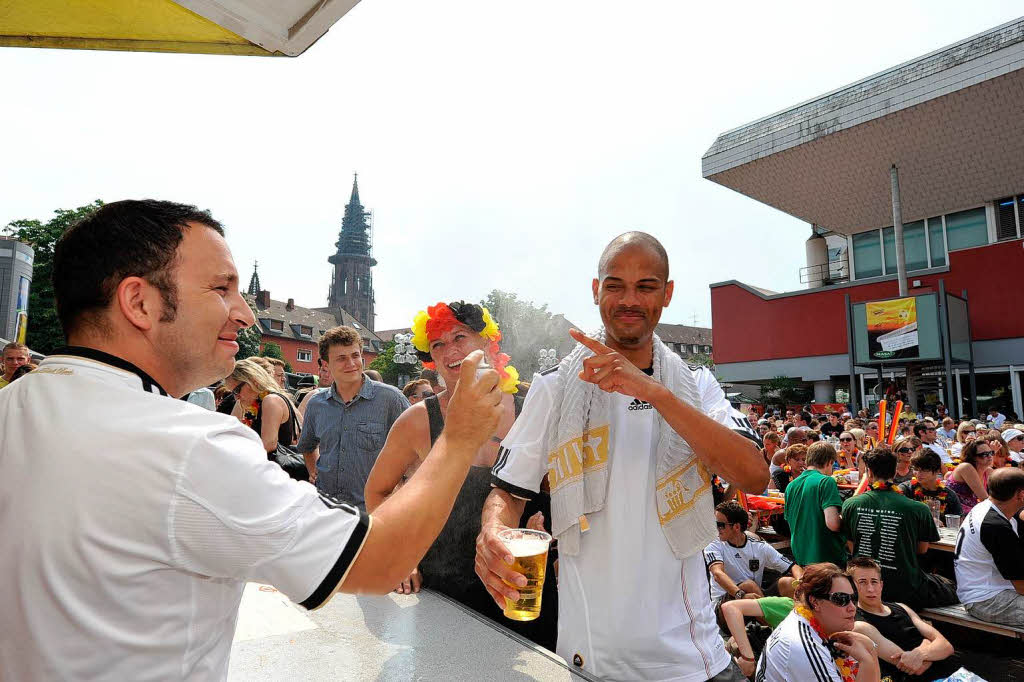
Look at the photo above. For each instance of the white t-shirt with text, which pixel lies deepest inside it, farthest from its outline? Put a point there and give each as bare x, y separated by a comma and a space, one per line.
628, 609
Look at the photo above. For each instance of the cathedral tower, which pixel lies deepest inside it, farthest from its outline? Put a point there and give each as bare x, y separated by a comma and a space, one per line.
352, 282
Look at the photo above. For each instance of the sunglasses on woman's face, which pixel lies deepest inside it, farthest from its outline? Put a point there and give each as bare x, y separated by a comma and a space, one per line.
237, 390
842, 599
904, 451
845, 440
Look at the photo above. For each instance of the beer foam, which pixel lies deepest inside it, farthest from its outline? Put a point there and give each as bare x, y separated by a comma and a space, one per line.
526, 546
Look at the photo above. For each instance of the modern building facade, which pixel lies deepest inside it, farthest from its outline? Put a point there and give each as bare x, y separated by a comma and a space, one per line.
950, 122
15, 281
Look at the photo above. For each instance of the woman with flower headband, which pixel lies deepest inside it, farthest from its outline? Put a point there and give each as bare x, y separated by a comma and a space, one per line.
443, 335
816, 640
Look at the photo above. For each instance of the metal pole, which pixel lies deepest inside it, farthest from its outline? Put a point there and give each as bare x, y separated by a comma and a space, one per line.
850, 351
947, 347
897, 228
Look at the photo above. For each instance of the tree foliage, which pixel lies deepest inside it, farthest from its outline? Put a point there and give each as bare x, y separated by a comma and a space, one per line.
273, 350
44, 330
784, 391
525, 329
249, 340
390, 370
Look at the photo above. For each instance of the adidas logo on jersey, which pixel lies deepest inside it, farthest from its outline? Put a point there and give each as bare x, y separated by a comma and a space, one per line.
638, 404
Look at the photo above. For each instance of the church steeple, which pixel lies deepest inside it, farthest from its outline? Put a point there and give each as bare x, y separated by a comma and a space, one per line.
352, 284
254, 282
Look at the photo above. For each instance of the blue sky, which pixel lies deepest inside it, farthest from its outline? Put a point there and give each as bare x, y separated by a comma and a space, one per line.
499, 145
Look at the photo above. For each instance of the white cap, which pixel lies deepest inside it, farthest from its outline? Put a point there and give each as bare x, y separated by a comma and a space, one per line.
1010, 434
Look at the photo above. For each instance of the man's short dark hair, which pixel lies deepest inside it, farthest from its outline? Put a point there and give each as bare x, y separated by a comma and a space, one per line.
921, 427
926, 460
132, 238
881, 462
338, 336
862, 562
806, 417
628, 239
431, 376
734, 513
1004, 483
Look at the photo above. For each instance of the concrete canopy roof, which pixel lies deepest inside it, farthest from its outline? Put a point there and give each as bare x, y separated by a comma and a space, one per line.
950, 120
234, 27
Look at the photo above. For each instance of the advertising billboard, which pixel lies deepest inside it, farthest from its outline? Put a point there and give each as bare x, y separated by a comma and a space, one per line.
892, 328
897, 330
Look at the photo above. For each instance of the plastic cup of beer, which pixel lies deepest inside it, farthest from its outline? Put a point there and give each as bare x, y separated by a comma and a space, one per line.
529, 549
953, 521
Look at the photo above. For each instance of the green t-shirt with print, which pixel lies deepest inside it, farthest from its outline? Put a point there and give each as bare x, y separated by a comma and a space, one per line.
887, 526
807, 497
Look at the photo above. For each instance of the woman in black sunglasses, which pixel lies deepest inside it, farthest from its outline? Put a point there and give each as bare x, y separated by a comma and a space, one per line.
816, 640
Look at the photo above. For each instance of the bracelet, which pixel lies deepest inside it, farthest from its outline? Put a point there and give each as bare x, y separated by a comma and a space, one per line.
744, 657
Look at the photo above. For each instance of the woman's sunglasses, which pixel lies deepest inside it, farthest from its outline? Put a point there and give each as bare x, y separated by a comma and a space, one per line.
845, 440
842, 599
904, 451
237, 390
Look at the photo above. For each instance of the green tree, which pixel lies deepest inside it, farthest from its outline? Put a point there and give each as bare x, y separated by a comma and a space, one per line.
273, 350
44, 330
390, 370
249, 340
784, 391
525, 329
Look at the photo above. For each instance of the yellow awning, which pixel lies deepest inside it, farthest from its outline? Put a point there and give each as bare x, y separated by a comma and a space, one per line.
232, 27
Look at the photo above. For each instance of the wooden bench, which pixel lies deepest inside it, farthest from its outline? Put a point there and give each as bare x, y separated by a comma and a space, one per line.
957, 615
769, 535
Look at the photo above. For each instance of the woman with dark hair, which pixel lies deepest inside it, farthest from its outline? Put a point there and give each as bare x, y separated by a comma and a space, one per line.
970, 477
816, 640
443, 335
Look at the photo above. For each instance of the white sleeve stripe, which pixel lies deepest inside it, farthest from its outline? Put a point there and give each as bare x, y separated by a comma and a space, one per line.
812, 653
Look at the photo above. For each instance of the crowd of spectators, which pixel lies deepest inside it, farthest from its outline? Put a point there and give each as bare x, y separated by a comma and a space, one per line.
853, 499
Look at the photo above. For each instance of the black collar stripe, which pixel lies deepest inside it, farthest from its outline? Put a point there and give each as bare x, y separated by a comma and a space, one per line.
813, 653
149, 384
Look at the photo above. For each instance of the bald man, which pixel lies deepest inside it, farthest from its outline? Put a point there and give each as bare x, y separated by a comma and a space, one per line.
649, 430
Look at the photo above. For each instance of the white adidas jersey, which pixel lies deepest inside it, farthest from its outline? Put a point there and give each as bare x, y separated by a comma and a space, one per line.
628, 609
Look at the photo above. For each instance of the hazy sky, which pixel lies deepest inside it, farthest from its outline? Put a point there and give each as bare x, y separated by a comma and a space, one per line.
499, 145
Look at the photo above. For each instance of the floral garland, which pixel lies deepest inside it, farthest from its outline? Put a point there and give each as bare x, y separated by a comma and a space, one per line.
788, 469
437, 319
941, 493
886, 485
253, 411
846, 666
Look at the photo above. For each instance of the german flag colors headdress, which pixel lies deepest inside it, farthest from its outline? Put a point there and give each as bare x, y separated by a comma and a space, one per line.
438, 319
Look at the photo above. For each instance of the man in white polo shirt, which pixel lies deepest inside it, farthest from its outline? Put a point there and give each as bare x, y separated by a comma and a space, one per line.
132, 520
631, 499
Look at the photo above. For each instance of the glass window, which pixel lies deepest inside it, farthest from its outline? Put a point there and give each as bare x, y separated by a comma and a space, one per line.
914, 248
889, 247
993, 390
1006, 219
935, 242
966, 229
867, 254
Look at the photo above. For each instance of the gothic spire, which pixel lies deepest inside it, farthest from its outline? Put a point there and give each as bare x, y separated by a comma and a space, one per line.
254, 282
354, 238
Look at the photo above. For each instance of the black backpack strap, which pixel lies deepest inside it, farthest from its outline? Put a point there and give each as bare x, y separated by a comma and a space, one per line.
435, 417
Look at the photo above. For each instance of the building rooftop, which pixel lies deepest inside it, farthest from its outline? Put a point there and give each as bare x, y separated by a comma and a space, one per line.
681, 333
950, 120
295, 318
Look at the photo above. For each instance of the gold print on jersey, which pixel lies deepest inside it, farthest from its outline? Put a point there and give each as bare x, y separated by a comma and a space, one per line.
680, 488
577, 456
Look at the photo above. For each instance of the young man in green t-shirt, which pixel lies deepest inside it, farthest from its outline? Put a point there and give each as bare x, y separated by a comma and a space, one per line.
812, 510
893, 530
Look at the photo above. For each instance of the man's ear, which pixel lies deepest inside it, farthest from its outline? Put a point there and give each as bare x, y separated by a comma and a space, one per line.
595, 286
670, 286
139, 302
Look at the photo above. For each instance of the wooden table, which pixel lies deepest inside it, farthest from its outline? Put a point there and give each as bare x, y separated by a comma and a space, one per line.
946, 542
